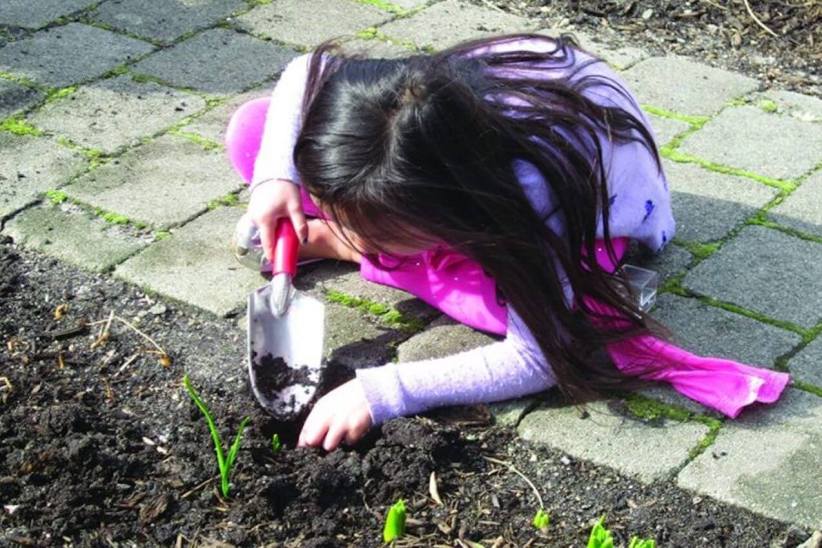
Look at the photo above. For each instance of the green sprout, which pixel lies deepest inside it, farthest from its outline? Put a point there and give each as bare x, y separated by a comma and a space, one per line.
276, 444
600, 536
394, 522
224, 462
637, 542
541, 520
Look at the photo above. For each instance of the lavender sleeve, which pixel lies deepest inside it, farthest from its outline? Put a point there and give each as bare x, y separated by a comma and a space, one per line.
499, 371
282, 124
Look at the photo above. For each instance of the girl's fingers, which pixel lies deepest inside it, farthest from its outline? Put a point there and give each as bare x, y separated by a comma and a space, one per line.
335, 435
299, 222
354, 434
267, 240
314, 429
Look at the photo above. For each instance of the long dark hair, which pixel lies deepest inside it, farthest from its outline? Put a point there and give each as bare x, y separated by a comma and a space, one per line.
420, 151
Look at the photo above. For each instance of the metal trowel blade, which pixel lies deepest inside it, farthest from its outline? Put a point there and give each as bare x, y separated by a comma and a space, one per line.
285, 353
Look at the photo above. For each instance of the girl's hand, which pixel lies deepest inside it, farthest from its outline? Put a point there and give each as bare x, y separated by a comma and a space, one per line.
272, 200
340, 415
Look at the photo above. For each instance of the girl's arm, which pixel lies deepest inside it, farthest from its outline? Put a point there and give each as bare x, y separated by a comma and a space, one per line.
508, 369
282, 124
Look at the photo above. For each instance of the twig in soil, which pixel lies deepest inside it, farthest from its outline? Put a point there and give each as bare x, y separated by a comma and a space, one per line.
513, 468
165, 359
102, 337
67, 333
6, 387
61, 363
757, 21
128, 362
433, 490
198, 487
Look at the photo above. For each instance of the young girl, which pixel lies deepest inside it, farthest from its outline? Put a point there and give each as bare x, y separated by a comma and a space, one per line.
500, 181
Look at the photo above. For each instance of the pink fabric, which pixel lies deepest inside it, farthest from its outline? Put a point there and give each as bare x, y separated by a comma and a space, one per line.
458, 287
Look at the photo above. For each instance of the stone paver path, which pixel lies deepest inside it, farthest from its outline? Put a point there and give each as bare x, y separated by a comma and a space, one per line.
112, 116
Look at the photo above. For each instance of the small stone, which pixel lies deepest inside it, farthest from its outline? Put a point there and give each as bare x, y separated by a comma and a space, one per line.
158, 309
647, 14
565, 460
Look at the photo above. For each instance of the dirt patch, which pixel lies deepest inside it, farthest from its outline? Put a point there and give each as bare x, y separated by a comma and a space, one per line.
101, 445
721, 33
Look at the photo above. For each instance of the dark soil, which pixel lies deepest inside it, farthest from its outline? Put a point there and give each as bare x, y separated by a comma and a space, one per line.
101, 446
721, 33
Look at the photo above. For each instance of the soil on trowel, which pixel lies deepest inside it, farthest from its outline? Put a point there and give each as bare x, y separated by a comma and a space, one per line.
272, 376
101, 446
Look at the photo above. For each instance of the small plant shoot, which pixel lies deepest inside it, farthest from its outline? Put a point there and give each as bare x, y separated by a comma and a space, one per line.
637, 542
224, 462
541, 520
394, 522
276, 444
600, 536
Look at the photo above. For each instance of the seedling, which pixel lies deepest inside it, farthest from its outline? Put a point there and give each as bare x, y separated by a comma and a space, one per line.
276, 444
600, 536
394, 522
541, 520
637, 542
224, 462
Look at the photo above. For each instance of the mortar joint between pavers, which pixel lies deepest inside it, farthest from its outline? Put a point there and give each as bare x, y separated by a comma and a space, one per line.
232, 199
16, 125
678, 156
196, 138
374, 33
385, 313
807, 387
22, 80
386, 6
695, 122
114, 30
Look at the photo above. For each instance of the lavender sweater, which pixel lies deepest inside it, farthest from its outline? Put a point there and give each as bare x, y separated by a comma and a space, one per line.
515, 366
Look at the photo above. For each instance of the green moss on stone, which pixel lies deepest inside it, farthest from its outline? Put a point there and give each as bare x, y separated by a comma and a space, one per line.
60, 93
699, 250
387, 314
113, 218
695, 121
162, 235
228, 200
18, 126
56, 196
198, 139
768, 105
384, 5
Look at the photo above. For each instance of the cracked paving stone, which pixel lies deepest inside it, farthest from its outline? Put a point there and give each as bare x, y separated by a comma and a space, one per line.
792, 148
680, 85
446, 23
64, 55
164, 21
766, 271
769, 460
306, 23
115, 113
31, 165
802, 210
14, 98
217, 61
75, 236
173, 178
33, 15
806, 366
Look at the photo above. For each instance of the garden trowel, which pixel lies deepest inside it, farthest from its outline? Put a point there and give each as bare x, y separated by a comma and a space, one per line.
285, 329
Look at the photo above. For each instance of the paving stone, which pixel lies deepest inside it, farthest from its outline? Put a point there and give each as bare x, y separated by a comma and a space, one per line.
806, 366
620, 58
212, 124
802, 210
707, 204
711, 331
446, 23
195, 265
73, 235
442, 338
801, 107
791, 148
114, 113
33, 15
173, 178
31, 165
14, 98
164, 21
217, 61
376, 49
345, 278
766, 271
409, 4
306, 23
768, 461
510, 413
354, 340
666, 129
60, 56
679, 85
610, 436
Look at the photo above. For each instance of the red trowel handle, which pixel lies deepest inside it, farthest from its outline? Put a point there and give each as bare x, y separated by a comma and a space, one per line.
286, 248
